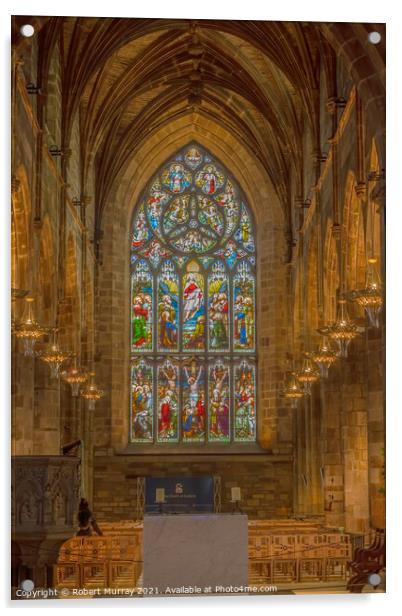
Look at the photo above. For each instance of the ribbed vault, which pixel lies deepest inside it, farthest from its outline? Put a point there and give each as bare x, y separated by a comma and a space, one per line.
130, 79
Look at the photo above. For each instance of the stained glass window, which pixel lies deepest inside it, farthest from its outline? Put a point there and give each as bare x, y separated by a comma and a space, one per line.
193, 303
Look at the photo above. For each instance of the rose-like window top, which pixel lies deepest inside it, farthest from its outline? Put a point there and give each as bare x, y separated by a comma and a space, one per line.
192, 206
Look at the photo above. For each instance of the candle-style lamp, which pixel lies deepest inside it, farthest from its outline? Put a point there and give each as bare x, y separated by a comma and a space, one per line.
236, 498
160, 498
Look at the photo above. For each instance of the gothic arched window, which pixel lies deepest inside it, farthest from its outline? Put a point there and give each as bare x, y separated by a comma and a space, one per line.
193, 356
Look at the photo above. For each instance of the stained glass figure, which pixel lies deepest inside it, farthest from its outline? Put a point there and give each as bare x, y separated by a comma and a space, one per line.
157, 199
231, 253
193, 415
176, 214
193, 312
141, 232
141, 312
245, 416
194, 241
218, 308
193, 158
219, 402
193, 261
168, 308
177, 178
243, 308
209, 215
142, 408
229, 204
244, 234
154, 252
168, 402
209, 179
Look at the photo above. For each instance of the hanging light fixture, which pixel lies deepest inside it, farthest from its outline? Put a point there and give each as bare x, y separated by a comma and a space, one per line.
54, 356
370, 298
308, 374
292, 390
343, 331
29, 330
92, 393
324, 357
75, 377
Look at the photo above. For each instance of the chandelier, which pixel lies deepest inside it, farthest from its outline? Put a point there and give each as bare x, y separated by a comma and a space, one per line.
54, 357
75, 377
29, 330
308, 374
324, 357
370, 298
292, 390
92, 393
343, 331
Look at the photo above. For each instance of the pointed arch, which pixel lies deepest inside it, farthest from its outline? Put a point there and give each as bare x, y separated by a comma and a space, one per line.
193, 318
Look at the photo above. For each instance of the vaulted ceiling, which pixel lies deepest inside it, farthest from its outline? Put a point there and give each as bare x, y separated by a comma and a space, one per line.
259, 80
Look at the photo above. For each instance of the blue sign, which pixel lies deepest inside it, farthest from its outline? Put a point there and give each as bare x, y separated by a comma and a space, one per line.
182, 494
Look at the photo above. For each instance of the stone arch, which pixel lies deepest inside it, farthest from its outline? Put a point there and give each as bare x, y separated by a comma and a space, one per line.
353, 247
53, 106
374, 224
312, 313
47, 273
296, 313
69, 317
116, 218
88, 339
331, 275
21, 273
199, 248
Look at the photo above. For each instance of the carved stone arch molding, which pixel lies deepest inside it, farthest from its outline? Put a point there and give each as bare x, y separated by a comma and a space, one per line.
21, 273
116, 228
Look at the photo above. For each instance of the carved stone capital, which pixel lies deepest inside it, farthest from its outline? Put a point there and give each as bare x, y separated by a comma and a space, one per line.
336, 230
38, 222
361, 190
376, 176
333, 103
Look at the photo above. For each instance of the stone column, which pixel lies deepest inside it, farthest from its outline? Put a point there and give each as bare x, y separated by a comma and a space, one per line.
354, 439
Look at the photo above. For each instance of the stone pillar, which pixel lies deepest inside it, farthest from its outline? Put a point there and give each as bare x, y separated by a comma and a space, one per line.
332, 467
354, 439
376, 427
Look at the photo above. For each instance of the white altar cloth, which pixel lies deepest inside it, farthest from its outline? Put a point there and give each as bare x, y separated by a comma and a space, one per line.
204, 551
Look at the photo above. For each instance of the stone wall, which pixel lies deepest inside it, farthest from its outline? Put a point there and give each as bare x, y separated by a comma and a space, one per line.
327, 455
265, 481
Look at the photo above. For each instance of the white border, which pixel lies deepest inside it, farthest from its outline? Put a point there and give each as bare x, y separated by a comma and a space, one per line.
308, 10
